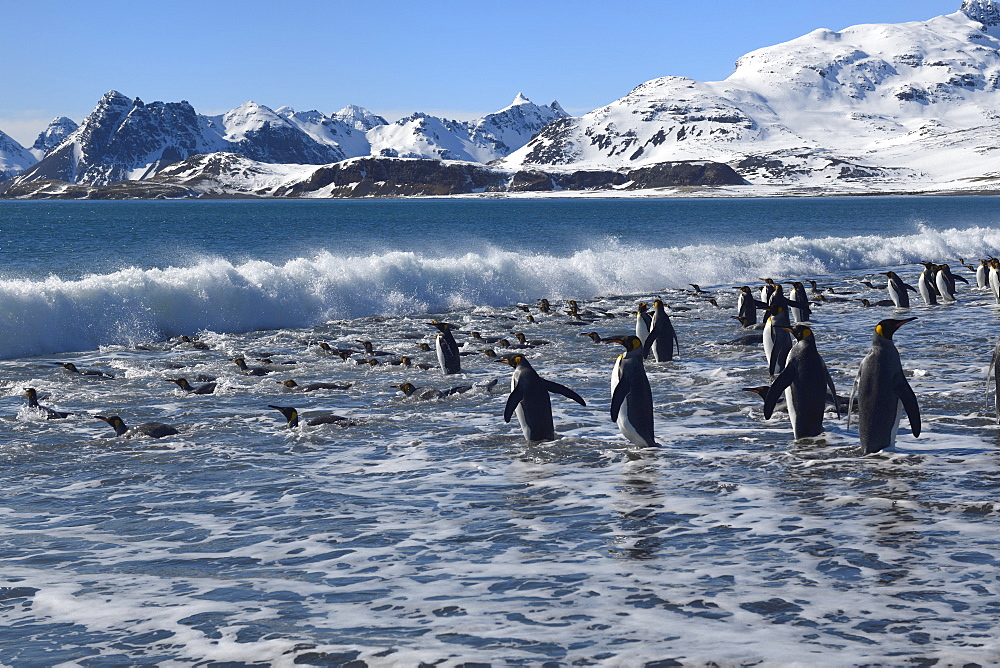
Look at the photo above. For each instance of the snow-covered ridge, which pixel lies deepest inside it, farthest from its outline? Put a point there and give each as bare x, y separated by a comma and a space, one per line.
913, 103
904, 107
127, 139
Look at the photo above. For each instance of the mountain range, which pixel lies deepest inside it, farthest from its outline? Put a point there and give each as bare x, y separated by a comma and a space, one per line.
909, 107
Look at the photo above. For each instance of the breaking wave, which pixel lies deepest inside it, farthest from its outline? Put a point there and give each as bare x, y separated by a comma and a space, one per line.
136, 305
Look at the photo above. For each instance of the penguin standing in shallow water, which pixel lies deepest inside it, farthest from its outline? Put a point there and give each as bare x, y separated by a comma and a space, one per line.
643, 322
447, 348
945, 282
883, 392
897, 290
777, 339
631, 396
662, 336
529, 400
803, 382
746, 307
799, 303
927, 284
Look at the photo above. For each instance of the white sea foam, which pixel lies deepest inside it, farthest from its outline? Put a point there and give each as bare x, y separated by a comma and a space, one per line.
135, 305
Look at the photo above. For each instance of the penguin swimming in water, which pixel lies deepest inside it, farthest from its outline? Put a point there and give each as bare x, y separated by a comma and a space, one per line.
631, 396
426, 393
50, 414
447, 348
72, 368
292, 416
803, 383
662, 336
248, 371
529, 400
883, 392
207, 388
897, 290
312, 387
150, 429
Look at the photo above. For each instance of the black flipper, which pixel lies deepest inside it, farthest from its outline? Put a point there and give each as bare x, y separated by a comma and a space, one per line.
780, 384
565, 391
618, 398
960, 278
516, 395
909, 399
833, 393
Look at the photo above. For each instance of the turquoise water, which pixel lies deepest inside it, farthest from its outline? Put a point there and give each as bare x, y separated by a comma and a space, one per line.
429, 531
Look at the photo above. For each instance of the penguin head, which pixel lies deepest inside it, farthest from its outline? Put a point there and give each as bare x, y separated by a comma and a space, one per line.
181, 383
631, 341
520, 337
512, 360
643, 307
865, 303
800, 332
529, 318
290, 384
116, 423
291, 414
325, 346
443, 326
759, 391
888, 327
69, 366
367, 345
489, 352
344, 355
406, 388
241, 363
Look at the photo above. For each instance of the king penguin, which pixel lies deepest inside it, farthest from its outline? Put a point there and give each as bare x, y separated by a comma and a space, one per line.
50, 414
800, 310
151, 429
927, 285
529, 400
746, 306
883, 392
447, 348
777, 339
643, 322
662, 336
994, 372
945, 281
803, 382
897, 290
631, 396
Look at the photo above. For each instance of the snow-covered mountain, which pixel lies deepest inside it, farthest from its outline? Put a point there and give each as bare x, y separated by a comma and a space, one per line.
52, 136
125, 139
906, 102
13, 157
482, 140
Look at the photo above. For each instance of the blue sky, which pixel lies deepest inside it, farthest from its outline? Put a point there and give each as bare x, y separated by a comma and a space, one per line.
457, 59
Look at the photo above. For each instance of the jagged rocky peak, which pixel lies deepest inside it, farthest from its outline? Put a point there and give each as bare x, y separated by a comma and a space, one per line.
986, 12
54, 134
359, 118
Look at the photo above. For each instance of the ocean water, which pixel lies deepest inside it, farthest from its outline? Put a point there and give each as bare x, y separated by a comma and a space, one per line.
428, 531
